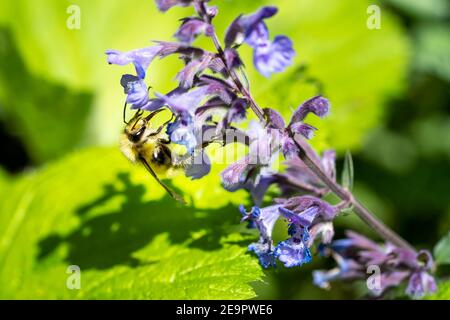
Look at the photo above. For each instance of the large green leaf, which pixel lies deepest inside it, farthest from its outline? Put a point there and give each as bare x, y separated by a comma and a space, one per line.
95, 210
49, 118
358, 68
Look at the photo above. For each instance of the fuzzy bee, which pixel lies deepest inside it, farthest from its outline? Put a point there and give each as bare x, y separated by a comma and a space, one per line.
142, 144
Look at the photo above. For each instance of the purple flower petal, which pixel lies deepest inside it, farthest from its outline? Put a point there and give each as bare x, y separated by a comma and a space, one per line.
421, 284
329, 163
264, 219
136, 90
235, 174
288, 146
244, 26
188, 101
304, 129
301, 203
264, 253
274, 118
199, 166
141, 58
264, 144
164, 5
182, 132
191, 28
302, 220
194, 67
275, 56
324, 230
294, 252
317, 105
232, 59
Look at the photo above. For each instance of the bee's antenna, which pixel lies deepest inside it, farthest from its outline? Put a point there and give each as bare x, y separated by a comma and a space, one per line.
152, 114
125, 113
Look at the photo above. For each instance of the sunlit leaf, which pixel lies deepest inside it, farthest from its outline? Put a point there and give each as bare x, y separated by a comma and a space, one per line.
95, 210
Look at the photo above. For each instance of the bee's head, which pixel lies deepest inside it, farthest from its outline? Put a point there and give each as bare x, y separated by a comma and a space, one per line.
137, 126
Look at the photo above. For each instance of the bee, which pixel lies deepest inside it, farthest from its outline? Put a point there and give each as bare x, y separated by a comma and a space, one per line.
142, 144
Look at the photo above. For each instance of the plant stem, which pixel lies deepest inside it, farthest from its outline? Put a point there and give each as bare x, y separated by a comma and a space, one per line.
308, 156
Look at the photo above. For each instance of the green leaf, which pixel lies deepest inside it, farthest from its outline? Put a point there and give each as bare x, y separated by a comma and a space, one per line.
96, 210
347, 172
443, 292
442, 250
430, 9
433, 45
37, 110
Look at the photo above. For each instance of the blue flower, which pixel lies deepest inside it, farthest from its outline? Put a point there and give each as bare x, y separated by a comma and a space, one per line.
136, 90
182, 132
294, 251
264, 252
264, 220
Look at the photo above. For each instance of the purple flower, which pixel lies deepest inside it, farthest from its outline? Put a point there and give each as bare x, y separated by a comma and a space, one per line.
141, 58
136, 90
264, 220
273, 57
298, 177
249, 26
356, 253
192, 68
317, 105
246, 173
269, 57
164, 5
182, 131
264, 252
183, 101
198, 166
420, 284
308, 208
191, 28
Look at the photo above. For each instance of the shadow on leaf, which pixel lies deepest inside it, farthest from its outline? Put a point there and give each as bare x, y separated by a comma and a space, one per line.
106, 239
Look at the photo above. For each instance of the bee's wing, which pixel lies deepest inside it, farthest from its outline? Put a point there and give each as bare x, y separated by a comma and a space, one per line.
173, 194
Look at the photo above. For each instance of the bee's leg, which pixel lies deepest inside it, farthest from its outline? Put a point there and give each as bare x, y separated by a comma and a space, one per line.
165, 141
161, 127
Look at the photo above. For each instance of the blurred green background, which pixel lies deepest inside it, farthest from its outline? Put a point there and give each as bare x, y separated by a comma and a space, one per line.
65, 191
